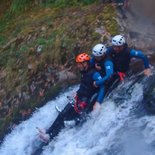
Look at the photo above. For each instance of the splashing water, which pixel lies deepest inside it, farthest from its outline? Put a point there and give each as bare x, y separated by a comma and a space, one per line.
120, 128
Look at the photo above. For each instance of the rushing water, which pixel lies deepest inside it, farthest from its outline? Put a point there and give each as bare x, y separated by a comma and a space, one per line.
122, 127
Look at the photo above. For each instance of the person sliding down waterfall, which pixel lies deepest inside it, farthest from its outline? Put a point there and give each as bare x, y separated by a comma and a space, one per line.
88, 97
121, 55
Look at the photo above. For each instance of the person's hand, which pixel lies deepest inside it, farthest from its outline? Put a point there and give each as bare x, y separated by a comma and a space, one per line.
97, 106
148, 72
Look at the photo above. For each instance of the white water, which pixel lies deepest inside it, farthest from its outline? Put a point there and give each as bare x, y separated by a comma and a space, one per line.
115, 130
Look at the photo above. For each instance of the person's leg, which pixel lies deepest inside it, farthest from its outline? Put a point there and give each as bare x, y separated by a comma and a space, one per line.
67, 114
92, 102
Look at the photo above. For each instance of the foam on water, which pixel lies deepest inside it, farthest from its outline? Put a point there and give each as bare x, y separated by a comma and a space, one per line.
110, 131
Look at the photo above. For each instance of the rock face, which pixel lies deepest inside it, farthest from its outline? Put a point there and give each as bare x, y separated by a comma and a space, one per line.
138, 27
66, 75
145, 9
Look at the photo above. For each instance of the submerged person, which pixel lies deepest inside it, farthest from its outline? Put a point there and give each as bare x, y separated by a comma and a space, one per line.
121, 56
88, 98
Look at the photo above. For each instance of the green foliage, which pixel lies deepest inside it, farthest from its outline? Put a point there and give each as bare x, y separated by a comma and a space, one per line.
109, 20
2, 39
19, 5
41, 41
65, 3
11, 62
22, 49
16, 30
3, 59
86, 2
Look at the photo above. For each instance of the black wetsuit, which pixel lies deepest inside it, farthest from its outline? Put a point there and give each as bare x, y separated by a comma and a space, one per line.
84, 96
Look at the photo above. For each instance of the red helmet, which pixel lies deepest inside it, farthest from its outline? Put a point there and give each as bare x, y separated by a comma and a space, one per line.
82, 57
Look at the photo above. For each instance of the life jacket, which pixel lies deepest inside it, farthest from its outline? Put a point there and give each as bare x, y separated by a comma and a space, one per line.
120, 60
87, 88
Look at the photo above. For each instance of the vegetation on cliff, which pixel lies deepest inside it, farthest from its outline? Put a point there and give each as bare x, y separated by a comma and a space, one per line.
38, 39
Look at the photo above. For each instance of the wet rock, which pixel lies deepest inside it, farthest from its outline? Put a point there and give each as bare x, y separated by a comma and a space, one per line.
133, 34
65, 75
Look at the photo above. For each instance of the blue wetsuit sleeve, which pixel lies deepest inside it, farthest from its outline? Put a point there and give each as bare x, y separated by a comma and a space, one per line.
108, 72
101, 94
139, 54
97, 76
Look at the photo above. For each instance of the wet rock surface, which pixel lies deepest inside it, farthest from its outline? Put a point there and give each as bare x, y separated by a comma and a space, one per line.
138, 28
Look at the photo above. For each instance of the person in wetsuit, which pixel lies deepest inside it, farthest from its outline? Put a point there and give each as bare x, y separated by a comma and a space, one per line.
121, 56
87, 98
103, 64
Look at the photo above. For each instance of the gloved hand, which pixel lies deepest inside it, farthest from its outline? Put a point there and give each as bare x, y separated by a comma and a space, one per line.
148, 72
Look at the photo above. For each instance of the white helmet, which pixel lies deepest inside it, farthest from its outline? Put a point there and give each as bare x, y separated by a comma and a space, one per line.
99, 50
118, 40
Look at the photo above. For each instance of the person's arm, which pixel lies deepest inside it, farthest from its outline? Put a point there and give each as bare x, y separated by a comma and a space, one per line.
97, 77
108, 72
101, 92
139, 54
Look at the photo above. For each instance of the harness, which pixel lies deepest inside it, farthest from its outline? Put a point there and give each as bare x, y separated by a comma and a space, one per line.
79, 105
121, 75
84, 104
